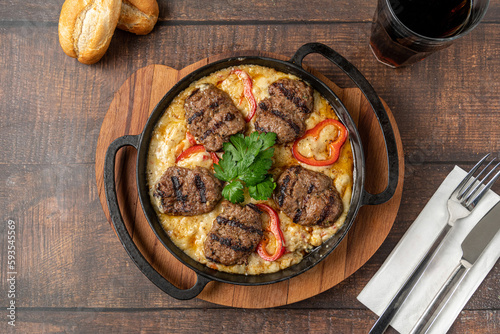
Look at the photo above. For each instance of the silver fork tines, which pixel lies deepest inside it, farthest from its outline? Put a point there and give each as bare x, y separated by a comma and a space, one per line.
470, 191
460, 204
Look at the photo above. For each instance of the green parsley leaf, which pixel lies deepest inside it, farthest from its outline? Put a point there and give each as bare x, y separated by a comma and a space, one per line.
269, 139
233, 192
263, 190
252, 138
252, 178
246, 162
266, 155
239, 146
257, 172
226, 169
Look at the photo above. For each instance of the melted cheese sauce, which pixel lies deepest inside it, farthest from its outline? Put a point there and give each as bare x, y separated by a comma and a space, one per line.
189, 233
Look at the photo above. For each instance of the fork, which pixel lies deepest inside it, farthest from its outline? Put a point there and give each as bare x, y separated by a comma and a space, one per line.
460, 204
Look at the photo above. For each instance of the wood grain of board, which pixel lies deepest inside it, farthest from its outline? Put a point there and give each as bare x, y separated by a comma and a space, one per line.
128, 113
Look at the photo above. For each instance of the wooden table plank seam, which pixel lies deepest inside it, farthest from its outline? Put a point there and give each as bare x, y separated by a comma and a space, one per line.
74, 275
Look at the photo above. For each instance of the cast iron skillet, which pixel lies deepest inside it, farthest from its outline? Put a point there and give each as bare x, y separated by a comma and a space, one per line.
359, 196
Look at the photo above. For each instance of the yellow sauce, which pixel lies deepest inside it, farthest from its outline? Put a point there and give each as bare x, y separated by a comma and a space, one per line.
169, 140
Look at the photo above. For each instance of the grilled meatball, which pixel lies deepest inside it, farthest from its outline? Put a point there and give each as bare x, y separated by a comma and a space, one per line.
308, 197
212, 116
297, 93
187, 192
285, 111
234, 234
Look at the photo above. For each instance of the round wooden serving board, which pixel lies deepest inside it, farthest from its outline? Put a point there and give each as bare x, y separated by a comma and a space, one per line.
128, 114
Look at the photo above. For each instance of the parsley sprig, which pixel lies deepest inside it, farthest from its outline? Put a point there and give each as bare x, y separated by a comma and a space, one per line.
246, 162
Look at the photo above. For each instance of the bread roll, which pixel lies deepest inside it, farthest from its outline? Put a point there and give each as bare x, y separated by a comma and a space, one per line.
138, 16
86, 28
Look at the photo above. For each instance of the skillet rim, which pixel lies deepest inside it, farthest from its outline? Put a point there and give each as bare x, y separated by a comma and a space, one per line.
318, 253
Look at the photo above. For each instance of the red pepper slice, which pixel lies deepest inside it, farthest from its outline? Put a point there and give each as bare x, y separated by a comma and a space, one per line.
190, 138
333, 147
190, 151
196, 149
274, 227
247, 91
215, 158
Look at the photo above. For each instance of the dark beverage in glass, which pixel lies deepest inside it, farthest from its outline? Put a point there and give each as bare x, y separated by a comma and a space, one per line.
406, 31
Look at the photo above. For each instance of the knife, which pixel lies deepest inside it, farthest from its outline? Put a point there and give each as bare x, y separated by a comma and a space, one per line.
472, 248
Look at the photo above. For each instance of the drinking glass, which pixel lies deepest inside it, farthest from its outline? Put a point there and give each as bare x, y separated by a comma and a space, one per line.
396, 45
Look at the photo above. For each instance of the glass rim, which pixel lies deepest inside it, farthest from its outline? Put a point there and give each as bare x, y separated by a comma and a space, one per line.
439, 39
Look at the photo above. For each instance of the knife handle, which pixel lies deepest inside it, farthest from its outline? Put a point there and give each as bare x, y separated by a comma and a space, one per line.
441, 299
398, 300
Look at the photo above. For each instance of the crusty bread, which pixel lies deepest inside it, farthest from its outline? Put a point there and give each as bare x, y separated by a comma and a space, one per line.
86, 28
138, 16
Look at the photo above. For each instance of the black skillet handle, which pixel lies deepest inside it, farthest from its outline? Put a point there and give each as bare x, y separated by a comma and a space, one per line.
378, 108
121, 230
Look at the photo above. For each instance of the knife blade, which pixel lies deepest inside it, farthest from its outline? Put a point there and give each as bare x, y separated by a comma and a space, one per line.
481, 235
472, 248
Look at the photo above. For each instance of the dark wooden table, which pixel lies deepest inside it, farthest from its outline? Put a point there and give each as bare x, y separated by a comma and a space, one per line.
73, 275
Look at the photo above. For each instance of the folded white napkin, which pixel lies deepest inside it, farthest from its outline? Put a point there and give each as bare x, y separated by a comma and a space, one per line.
412, 247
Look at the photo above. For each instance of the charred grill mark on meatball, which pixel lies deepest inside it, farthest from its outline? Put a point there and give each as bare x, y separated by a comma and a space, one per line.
209, 258
325, 211
300, 103
206, 134
177, 189
235, 223
231, 243
300, 210
259, 128
291, 123
296, 178
282, 192
229, 117
296, 218
234, 235
195, 115
286, 110
212, 116
308, 197
254, 208
188, 192
263, 106
201, 188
